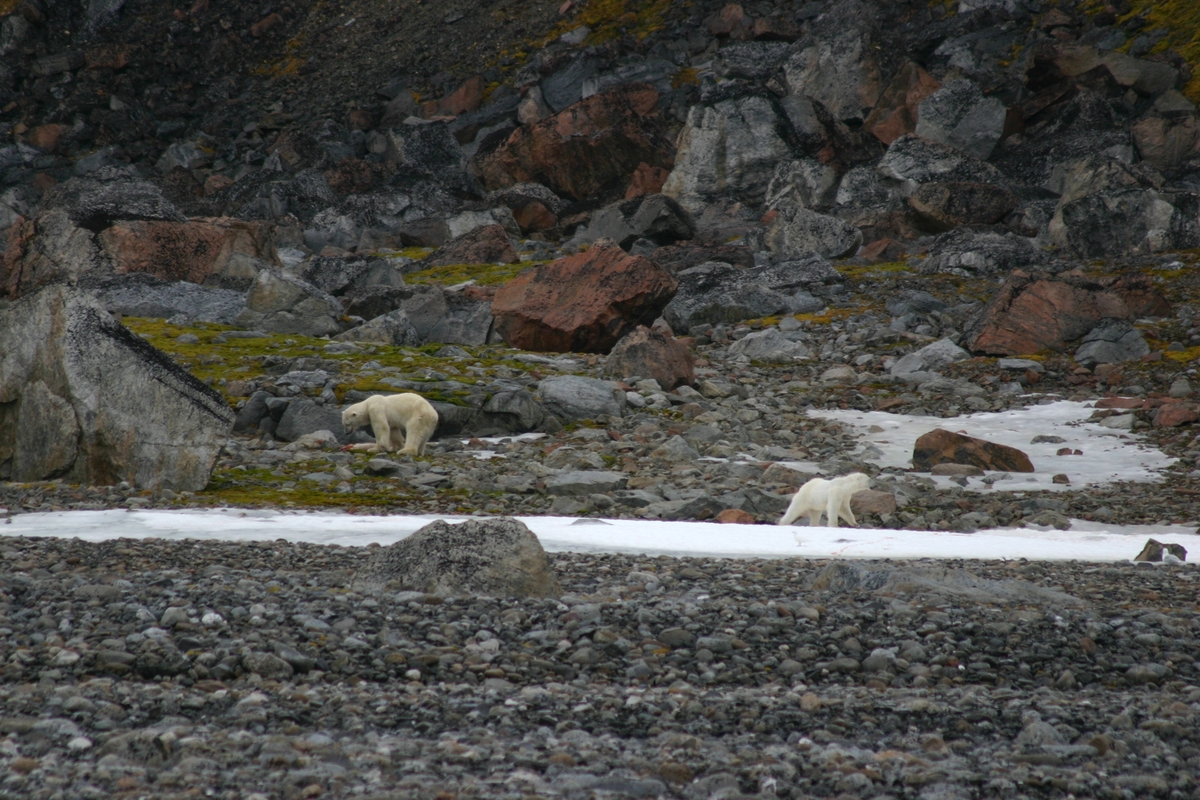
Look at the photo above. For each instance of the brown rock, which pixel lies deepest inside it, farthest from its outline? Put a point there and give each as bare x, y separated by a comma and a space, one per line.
47, 137
488, 244
948, 205
1174, 415
882, 251
183, 251
108, 57
535, 217
1154, 549
941, 447
1061, 478
646, 180
895, 113
582, 303
587, 151
870, 501
353, 176
266, 24
775, 29
215, 183
467, 97
1033, 312
727, 20
735, 516
956, 470
652, 353
1166, 143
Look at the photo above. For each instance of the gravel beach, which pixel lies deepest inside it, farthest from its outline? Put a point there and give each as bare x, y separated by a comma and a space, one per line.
187, 669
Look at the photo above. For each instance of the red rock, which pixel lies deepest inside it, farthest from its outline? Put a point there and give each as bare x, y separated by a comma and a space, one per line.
735, 516
182, 251
1174, 415
585, 152
870, 501
652, 353
535, 217
582, 303
1120, 402
883, 251
646, 180
360, 120
47, 137
888, 403
215, 183
467, 97
1032, 313
488, 244
775, 29
266, 24
728, 19
107, 57
946, 447
895, 113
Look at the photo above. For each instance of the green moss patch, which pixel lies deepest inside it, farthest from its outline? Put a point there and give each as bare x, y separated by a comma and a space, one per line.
482, 274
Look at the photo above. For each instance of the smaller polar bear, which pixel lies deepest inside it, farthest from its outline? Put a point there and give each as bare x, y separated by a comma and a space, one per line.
831, 497
388, 415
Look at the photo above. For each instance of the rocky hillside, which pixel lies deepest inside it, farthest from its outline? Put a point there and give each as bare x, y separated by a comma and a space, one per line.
721, 214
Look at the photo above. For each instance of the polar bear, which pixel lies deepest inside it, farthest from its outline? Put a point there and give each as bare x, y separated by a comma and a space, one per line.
829, 496
389, 414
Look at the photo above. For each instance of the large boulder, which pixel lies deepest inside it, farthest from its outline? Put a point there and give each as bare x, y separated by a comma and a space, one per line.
485, 557
143, 295
582, 303
340, 275
794, 232
728, 150
950, 204
897, 110
805, 182
82, 398
960, 116
771, 346
488, 244
972, 252
571, 397
716, 292
199, 251
929, 358
911, 161
1111, 342
428, 147
946, 447
1127, 222
393, 328
282, 303
840, 63
1034, 312
585, 152
652, 353
656, 218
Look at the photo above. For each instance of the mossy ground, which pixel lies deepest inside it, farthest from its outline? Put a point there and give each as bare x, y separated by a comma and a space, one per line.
482, 274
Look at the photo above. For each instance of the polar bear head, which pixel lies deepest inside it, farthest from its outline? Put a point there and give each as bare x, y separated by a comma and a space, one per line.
855, 482
355, 417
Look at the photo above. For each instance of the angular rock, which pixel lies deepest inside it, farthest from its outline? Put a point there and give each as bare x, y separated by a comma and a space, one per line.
1113, 341
930, 358
652, 353
429, 148
83, 399
582, 303
497, 557
795, 232
1166, 143
341, 275
727, 150
656, 218
280, 303
465, 321
393, 328
1154, 550
303, 417
585, 482
958, 115
1174, 415
141, 295
1034, 312
486, 245
571, 397
870, 501
585, 152
911, 161
953, 203
897, 110
807, 183
946, 447
840, 63
1127, 223
970, 252
771, 346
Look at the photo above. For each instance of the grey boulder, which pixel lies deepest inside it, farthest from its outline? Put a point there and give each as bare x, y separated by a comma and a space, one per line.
770, 346
657, 218
797, 231
491, 557
960, 116
572, 397
1111, 342
970, 252
84, 399
393, 328
930, 358
281, 303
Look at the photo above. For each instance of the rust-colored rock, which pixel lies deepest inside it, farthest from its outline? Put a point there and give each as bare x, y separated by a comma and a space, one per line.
182, 251
882, 251
895, 113
215, 183
108, 57
582, 303
47, 137
946, 447
652, 353
1175, 415
727, 20
467, 97
585, 152
946, 205
646, 180
535, 217
488, 244
266, 25
1034, 312
870, 501
735, 516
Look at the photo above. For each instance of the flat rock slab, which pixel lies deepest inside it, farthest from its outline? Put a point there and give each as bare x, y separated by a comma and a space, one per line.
585, 482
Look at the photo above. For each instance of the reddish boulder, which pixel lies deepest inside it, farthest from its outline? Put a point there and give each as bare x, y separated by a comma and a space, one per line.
535, 217
946, 447
652, 353
182, 251
585, 152
895, 113
735, 516
47, 137
488, 244
869, 501
948, 205
646, 180
1175, 415
1033, 312
582, 303
467, 97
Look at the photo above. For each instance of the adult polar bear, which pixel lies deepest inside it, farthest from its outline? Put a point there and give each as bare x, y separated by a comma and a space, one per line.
401, 422
831, 497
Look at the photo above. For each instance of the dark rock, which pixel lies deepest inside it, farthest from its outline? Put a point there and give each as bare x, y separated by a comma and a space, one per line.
652, 353
485, 245
946, 447
654, 217
952, 204
1113, 341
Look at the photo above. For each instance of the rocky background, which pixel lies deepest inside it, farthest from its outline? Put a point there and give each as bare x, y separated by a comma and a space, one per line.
655, 234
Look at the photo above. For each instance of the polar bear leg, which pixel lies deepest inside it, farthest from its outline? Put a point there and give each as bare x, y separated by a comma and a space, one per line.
846, 513
419, 430
383, 431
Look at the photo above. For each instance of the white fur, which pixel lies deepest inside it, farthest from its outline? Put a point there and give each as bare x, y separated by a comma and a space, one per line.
403, 422
830, 497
